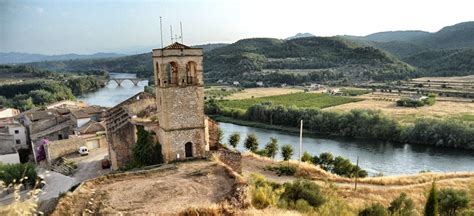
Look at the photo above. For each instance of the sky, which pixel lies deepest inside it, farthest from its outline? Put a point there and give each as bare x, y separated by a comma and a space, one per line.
86, 27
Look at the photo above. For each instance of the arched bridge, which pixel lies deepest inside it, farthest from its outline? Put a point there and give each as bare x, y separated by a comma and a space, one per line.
119, 81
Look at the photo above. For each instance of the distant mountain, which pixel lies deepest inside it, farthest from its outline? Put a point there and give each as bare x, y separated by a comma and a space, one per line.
406, 43
300, 35
16, 57
456, 36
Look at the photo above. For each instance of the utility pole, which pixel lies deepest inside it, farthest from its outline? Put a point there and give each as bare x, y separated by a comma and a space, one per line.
181, 27
301, 139
171, 32
357, 173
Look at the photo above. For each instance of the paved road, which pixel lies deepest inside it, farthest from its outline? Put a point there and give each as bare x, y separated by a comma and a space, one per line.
88, 167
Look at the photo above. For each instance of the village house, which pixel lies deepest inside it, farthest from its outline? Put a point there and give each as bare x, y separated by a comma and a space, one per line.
93, 133
8, 152
19, 135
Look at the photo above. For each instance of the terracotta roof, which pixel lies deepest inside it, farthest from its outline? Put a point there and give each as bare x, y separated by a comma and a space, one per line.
41, 114
177, 45
90, 127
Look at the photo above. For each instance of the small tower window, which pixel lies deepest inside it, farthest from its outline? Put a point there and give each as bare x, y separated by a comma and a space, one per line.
191, 68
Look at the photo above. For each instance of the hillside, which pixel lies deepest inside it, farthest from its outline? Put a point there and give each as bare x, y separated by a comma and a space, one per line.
16, 57
275, 60
456, 62
456, 36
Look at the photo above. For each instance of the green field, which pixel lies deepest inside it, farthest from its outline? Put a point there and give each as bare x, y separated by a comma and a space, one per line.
302, 100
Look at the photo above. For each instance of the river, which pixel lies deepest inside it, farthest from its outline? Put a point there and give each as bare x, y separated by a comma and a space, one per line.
374, 156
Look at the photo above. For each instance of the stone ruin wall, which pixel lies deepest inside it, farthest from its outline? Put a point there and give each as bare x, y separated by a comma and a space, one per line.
121, 144
233, 159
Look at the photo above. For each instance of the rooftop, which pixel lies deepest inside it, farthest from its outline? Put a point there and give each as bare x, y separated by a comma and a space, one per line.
90, 127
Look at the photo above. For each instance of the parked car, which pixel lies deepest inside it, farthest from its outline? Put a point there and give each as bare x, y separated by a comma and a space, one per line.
83, 151
105, 163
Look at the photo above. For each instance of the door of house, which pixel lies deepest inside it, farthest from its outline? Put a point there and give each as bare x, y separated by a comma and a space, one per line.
188, 150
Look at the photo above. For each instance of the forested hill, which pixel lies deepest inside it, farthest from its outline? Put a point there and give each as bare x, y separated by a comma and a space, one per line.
266, 58
456, 62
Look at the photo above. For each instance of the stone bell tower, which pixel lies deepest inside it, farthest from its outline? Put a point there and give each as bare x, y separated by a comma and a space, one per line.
180, 102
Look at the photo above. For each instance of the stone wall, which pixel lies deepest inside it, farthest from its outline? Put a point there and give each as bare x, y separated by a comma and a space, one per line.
121, 144
233, 159
59, 148
173, 143
180, 107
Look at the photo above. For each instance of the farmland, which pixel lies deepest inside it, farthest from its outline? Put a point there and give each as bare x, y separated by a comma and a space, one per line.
302, 100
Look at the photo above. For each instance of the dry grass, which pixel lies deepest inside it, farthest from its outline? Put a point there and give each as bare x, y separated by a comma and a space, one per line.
261, 92
198, 184
370, 190
441, 109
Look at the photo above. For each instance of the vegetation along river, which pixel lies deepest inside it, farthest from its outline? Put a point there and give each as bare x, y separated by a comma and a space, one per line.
375, 156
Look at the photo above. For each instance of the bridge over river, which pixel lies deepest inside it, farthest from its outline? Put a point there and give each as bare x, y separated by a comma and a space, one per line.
119, 81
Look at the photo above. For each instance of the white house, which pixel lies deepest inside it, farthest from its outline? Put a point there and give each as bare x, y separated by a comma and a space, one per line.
80, 118
7, 115
236, 83
260, 83
19, 135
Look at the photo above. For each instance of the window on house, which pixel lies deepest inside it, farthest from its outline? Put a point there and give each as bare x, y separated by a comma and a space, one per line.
17, 131
18, 141
60, 136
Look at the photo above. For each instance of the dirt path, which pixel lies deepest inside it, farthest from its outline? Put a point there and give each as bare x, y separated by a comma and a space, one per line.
191, 184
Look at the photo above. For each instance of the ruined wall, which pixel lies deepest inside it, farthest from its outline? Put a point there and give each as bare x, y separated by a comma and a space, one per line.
173, 143
233, 159
59, 148
212, 128
121, 144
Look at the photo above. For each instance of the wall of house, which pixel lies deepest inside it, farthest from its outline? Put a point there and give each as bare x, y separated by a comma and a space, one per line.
82, 121
21, 135
59, 148
10, 158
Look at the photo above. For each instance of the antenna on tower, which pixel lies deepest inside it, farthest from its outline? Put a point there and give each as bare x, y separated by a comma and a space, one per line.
181, 27
161, 32
171, 31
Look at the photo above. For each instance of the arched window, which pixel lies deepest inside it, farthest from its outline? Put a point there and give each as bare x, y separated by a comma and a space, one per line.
172, 73
191, 68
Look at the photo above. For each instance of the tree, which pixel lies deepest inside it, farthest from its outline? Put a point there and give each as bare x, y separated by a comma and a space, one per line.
451, 201
234, 139
251, 142
303, 190
431, 207
287, 152
326, 161
272, 147
306, 157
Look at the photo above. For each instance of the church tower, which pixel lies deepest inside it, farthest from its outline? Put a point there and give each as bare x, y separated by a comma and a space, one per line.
179, 88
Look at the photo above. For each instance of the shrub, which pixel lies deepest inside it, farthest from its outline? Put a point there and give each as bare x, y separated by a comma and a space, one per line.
10, 173
374, 210
272, 147
304, 190
251, 142
402, 206
451, 201
220, 135
285, 170
234, 139
263, 197
262, 152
